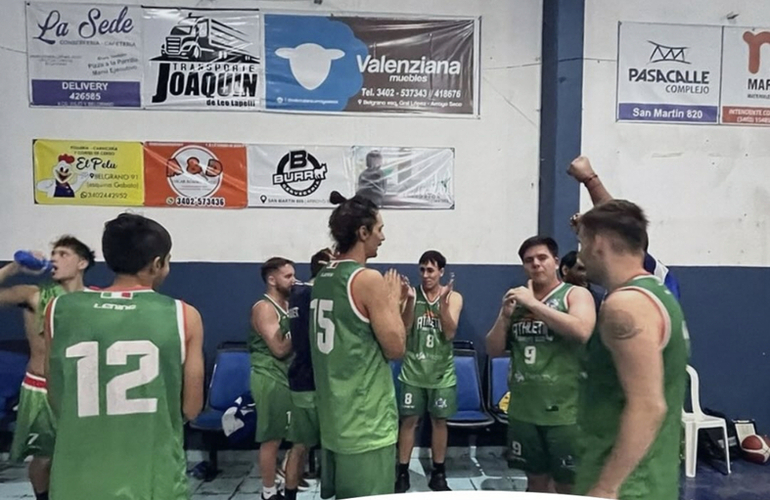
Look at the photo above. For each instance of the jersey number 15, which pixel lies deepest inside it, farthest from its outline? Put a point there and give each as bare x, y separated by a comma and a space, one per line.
323, 325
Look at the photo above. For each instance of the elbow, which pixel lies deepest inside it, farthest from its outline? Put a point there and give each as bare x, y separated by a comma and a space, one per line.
584, 335
191, 411
493, 348
396, 352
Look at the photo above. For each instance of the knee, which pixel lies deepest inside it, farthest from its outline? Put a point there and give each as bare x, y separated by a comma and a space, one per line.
410, 423
438, 423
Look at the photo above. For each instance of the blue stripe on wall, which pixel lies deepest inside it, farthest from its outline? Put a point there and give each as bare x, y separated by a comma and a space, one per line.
726, 308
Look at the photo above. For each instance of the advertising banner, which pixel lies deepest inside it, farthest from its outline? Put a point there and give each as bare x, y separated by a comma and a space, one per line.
84, 54
88, 173
746, 76
304, 177
202, 59
370, 64
195, 175
669, 73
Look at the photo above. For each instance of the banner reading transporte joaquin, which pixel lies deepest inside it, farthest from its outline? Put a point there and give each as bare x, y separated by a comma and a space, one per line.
304, 177
195, 175
202, 59
371, 64
88, 173
746, 76
84, 54
669, 73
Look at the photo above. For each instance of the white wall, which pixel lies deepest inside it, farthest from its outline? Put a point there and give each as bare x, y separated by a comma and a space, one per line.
706, 189
496, 156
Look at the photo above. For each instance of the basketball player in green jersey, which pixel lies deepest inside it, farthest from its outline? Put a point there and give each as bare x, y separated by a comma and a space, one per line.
428, 381
631, 406
270, 347
355, 327
34, 434
545, 325
125, 367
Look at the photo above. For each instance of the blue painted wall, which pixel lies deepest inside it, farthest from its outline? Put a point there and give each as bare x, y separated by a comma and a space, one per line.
726, 308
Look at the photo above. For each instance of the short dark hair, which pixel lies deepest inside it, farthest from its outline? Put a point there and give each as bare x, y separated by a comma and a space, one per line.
435, 257
273, 264
77, 246
534, 241
350, 215
131, 242
622, 219
569, 259
319, 260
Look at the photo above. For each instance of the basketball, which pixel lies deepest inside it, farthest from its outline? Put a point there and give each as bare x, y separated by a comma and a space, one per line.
756, 449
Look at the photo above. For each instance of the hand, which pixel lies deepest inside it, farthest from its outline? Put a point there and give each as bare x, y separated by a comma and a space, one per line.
574, 221
393, 284
509, 304
580, 169
524, 295
600, 492
407, 292
32, 272
447, 290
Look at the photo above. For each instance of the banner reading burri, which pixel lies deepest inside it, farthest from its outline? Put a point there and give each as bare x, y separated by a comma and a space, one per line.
84, 54
370, 64
304, 177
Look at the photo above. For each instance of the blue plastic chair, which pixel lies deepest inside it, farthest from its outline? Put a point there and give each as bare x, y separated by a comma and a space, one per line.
470, 408
498, 385
230, 379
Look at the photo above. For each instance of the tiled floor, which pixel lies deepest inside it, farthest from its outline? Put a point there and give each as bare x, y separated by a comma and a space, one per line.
484, 469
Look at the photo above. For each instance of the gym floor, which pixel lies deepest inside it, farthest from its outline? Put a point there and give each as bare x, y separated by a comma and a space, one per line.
485, 470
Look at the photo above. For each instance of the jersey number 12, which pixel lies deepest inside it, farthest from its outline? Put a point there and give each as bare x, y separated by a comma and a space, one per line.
117, 388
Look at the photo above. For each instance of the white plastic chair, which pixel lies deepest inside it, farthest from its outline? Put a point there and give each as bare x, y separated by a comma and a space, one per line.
695, 421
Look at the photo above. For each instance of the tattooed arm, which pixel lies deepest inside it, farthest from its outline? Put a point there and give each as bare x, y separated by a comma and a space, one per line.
632, 328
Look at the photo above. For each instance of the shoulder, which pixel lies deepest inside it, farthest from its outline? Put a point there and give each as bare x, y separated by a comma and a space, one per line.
625, 313
574, 292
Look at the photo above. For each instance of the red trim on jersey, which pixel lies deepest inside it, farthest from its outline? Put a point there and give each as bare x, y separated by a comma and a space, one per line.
34, 381
137, 288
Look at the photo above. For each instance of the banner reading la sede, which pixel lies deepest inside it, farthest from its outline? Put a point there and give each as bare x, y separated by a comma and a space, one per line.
368, 64
84, 54
669, 73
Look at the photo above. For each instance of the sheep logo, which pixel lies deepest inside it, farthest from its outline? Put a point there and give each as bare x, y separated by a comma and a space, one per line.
310, 63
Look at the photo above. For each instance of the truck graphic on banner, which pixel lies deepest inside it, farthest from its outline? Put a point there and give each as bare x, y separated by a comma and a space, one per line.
201, 38
202, 59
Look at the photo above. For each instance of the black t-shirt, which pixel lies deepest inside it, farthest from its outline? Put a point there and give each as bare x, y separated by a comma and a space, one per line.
301, 369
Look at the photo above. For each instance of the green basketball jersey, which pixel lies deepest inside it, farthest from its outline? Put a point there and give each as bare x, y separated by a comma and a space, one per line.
429, 359
545, 367
602, 402
263, 362
354, 383
115, 386
48, 292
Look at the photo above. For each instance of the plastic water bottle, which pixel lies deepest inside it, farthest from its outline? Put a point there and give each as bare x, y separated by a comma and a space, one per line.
28, 260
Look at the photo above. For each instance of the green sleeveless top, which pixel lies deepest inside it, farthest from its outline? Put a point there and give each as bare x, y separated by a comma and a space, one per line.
115, 384
429, 359
545, 372
263, 362
603, 400
354, 383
